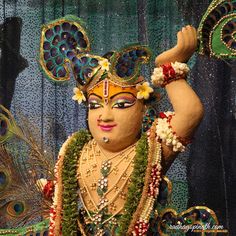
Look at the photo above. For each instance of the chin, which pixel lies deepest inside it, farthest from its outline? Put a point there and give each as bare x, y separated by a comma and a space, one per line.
114, 144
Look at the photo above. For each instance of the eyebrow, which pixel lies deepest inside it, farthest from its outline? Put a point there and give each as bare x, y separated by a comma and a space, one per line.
93, 94
122, 93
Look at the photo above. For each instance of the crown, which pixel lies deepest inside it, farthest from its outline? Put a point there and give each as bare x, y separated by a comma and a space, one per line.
64, 53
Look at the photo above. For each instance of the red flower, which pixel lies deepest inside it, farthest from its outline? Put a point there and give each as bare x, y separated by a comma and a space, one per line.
168, 71
162, 115
48, 189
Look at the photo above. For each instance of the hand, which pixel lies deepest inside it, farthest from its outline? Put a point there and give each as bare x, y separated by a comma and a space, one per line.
184, 49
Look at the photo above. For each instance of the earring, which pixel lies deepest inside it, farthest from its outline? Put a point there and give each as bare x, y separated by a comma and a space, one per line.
148, 118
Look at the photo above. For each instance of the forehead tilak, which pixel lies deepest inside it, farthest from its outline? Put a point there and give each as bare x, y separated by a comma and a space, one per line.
107, 89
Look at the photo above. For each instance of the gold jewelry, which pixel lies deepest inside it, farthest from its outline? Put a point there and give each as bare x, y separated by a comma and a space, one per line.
104, 202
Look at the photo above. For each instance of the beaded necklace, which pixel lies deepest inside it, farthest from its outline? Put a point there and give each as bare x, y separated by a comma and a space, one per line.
107, 167
138, 205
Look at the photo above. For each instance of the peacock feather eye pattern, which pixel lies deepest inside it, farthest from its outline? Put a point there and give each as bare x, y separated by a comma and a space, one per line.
217, 30
126, 63
16, 208
5, 127
4, 180
61, 42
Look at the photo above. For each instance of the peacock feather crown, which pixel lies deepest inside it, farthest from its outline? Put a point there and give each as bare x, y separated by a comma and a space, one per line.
64, 51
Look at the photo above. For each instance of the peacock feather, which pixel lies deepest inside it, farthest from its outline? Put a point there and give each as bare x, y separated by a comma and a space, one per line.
217, 30
126, 62
61, 41
22, 163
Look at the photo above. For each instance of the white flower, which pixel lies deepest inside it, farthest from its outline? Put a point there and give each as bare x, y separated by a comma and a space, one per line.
144, 90
180, 68
79, 96
104, 64
157, 77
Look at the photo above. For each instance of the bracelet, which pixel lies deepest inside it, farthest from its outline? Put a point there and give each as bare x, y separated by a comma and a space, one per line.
165, 133
169, 72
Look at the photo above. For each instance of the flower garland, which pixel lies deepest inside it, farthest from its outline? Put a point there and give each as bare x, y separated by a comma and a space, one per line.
65, 172
151, 189
169, 72
166, 134
55, 211
142, 192
70, 183
137, 183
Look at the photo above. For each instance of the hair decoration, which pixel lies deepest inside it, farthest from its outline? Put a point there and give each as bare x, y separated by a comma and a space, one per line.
61, 41
64, 49
217, 30
126, 63
169, 72
144, 90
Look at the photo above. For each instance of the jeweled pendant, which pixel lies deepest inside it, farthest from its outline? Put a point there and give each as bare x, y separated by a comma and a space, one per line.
106, 167
102, 186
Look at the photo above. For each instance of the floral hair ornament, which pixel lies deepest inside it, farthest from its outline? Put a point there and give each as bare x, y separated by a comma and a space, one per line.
64, 49
144, 90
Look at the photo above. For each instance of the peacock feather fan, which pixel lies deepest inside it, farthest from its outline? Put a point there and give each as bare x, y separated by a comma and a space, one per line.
22, 163
217, 30
21, 202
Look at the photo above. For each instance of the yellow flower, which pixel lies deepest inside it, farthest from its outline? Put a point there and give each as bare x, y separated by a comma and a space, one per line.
79, 96
144, 90
104, 64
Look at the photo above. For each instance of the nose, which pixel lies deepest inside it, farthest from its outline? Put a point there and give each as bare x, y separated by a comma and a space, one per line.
106, 115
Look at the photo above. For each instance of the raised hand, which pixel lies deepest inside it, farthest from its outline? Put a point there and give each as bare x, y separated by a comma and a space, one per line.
183, 50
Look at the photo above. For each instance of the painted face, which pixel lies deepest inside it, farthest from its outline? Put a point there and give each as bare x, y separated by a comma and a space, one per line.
117, 117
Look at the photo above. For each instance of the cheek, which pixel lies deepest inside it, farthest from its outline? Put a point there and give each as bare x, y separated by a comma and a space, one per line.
131, 121
92, 120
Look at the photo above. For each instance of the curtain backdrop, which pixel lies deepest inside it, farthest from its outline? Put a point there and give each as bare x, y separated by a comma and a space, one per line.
206, 173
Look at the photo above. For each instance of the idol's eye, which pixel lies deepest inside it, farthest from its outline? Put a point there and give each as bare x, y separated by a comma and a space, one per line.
94, 104
121, 103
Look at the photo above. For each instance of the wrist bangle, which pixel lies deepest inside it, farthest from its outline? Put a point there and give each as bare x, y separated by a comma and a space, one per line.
169, 72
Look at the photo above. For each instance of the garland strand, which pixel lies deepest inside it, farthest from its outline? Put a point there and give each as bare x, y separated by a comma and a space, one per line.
70, 212
70, 183
136, 185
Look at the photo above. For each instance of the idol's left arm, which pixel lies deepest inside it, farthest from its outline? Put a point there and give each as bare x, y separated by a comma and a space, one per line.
186, 104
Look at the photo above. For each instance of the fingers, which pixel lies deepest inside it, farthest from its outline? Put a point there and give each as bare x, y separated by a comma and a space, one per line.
194, 32
188, 44
180, 40
188, 36
185, 47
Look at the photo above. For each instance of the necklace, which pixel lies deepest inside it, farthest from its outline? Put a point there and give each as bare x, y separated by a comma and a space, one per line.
148, 154
109, 165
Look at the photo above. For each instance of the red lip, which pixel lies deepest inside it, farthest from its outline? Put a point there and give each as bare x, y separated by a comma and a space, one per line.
106, 127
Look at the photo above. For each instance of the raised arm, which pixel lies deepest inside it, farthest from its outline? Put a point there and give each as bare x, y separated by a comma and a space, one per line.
186, 104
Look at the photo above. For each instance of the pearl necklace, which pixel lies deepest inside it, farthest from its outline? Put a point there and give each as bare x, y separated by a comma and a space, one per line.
107, 167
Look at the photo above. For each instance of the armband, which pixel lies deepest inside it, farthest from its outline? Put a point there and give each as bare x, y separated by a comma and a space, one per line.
166, 134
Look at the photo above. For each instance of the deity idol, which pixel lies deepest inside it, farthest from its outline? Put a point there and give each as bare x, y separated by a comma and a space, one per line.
107, 178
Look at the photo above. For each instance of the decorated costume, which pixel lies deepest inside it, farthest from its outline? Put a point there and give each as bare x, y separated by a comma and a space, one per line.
82, 202
63, 54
